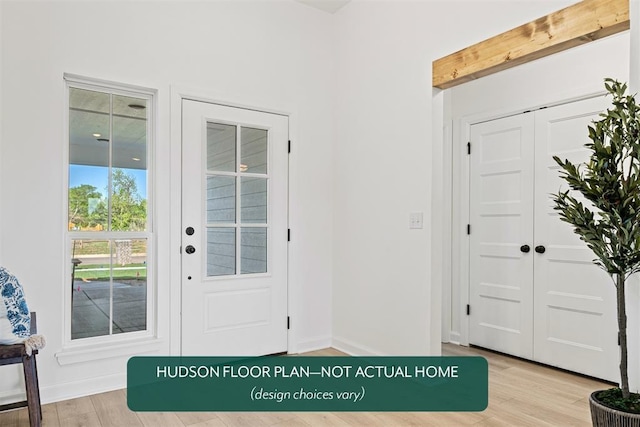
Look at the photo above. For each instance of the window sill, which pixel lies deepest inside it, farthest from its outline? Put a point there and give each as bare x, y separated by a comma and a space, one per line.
91, 352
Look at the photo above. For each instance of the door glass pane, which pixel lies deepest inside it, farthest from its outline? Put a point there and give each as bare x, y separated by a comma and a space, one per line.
221, 199
253, 150
129, 162
91, 288
88, 159
221, 251
221, 147
130, 285
253, 250
253, 202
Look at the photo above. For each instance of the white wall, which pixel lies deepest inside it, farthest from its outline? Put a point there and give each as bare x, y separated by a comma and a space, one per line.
1, 116
274, 55
385, 299
634, 67
633, 291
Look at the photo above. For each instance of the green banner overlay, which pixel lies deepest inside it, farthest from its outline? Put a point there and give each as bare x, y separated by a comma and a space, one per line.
305, 383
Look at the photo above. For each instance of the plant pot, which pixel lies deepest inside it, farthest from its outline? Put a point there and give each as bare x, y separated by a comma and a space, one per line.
603, 416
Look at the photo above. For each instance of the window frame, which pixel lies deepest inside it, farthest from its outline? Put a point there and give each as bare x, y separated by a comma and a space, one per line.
80, 349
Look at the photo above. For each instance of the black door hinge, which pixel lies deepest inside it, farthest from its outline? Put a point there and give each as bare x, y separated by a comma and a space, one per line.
288, 323
288, 234
468, 147
289, 147
468, 309
468, 228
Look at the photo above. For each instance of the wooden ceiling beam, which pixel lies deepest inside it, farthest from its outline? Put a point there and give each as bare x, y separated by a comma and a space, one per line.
572, 26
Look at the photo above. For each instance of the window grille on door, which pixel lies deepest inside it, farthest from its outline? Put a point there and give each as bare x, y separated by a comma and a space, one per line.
237, 183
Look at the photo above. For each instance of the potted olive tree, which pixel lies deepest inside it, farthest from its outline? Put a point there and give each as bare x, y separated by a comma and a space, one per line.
609, 223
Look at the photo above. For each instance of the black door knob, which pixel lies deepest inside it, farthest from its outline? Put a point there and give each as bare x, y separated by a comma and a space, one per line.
189, 231
525, 248
189, 249
540, 249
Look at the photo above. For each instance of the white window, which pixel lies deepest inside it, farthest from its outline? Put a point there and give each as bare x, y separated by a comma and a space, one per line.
109, 227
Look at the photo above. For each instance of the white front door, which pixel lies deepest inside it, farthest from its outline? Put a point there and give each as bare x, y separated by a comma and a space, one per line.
501, 270
574, 307
234, 231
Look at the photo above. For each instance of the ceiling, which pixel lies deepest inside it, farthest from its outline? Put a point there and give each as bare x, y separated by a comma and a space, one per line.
94, 116
330, 6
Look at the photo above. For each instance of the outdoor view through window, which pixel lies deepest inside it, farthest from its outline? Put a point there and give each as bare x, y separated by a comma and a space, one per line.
107, 221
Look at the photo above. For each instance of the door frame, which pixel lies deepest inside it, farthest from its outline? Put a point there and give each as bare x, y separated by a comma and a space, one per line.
177, 95
460, 219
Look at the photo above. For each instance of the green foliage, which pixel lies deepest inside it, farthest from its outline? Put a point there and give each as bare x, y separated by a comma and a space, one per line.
88, 208
128, 209
610, 180
95, 273
613, 399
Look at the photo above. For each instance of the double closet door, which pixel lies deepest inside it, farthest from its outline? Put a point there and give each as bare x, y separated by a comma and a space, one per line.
534, 290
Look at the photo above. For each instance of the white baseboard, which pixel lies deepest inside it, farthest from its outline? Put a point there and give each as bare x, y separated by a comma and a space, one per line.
315, 343
69, 390
82, 388
454, 337
353, 348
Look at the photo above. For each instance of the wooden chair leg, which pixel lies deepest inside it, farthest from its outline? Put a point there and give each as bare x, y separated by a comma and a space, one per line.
33, 393
35, 371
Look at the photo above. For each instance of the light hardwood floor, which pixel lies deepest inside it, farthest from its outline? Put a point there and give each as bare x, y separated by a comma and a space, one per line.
520, 394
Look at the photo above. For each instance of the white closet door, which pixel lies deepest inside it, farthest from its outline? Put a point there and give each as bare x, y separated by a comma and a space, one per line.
501, 271
575, 323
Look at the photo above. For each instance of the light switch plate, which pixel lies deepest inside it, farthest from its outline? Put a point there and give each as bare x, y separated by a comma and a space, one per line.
416, 220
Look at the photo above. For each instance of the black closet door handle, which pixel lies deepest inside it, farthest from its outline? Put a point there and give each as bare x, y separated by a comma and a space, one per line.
525, 248
540, 249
